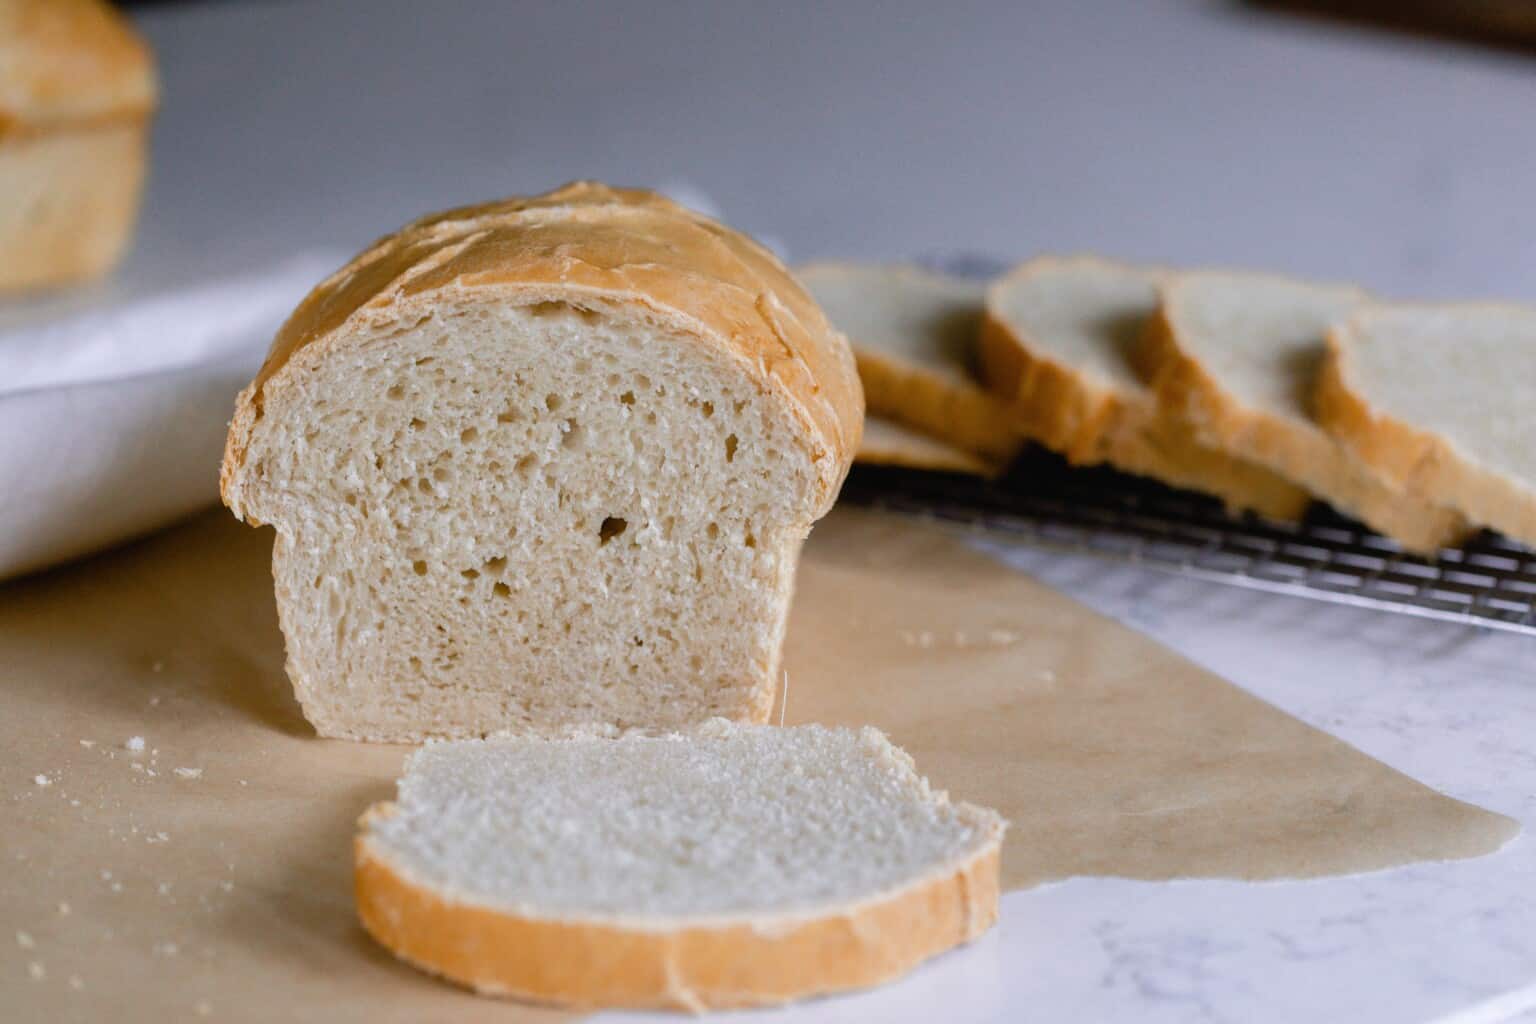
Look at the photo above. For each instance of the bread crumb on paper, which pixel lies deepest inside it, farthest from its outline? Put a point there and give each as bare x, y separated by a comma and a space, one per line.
25, 940
63, 908
37, 971
135, 744
87, 744
42, 780
190, 773
76, 982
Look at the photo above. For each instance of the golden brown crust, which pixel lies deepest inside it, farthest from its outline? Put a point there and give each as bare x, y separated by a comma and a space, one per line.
967, 417
752, 963
586, 241
71, 197
1188, 392
70, 62
1072, 414
1421, 463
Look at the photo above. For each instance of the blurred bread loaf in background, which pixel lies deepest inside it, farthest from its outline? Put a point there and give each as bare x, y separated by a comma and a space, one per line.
77, 91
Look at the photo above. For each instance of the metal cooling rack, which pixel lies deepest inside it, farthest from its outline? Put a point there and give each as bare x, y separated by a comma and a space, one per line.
1488, 582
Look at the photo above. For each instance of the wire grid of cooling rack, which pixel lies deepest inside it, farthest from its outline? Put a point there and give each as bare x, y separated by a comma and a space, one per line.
1488, 582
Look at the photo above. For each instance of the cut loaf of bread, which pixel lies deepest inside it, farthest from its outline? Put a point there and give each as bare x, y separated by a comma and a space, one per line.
1441, 401
887, 443
914, 334
1236, 355
735, 866
543, 463
1058, 345
77, 90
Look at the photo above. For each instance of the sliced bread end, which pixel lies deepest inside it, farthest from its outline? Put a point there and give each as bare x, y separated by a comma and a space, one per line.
629, 872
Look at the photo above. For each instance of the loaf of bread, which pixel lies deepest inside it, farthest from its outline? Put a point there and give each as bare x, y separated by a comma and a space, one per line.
543, 463
1058, 344
737, 866
77, 89
1236, 354
914, 335
1440, 401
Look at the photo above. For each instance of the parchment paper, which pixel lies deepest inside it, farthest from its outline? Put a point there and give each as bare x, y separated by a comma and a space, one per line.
208, 875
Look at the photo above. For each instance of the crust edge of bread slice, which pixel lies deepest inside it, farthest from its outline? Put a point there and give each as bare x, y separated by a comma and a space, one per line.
968, 417
1189, 392
1418, 461
1066, 412
731, 961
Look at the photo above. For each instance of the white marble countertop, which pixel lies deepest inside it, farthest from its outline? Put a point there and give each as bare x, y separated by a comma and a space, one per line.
1190, 132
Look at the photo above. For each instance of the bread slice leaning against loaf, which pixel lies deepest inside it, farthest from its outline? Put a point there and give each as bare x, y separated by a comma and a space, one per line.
543, 463
887, 443
1236, 355
1058, 345
914, 334
1441, 401
736, 866
77, 91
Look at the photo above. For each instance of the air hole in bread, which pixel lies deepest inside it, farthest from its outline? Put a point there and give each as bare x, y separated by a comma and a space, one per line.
574, 435
552, 402
628, 398
501, 590
708, 408
470, 574
507, 415
417, 422
395, 393
730, 448
419, 567
496, 566
612, 527
469, 435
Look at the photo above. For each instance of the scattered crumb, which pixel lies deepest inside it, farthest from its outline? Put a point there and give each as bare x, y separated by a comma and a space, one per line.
136, 766
154, 701
160, 837
925, 639
203, 1009
42, 780
74, 803
106, 876
242, 782
1048, 675
117, 886
151, 772
961, 640
25, 941
135, 744
166, 949
163, 888
227, 886
76, 982
1002, 637
63, 908
190, 773
37, 970
158, 666
87, 744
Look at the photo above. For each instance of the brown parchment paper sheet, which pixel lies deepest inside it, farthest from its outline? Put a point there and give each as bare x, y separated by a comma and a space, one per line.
209, 876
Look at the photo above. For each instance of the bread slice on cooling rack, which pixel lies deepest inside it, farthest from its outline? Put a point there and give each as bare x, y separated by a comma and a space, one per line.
1057, 345
914, 334
736, 866
1236, 354
1440, 400
543, 463
887, 443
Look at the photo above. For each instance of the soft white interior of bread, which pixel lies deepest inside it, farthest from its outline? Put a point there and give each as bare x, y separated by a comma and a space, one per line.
925, 320
730, 820
1260, 336
1085, 314
495, 516
1466, 374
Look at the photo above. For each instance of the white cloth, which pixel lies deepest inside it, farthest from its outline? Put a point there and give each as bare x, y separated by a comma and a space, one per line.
112, 420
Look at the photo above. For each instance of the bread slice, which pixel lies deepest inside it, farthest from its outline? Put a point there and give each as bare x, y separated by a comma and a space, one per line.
738, 866
543, 463
887, 443
1058, 344
77, 90
1441, 401
1236, 354
914, 334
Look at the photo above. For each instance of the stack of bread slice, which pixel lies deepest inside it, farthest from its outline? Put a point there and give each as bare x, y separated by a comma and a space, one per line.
1264, 391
